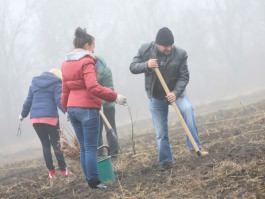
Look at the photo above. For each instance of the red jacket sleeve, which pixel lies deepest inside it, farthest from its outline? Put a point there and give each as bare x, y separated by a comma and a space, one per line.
90, 77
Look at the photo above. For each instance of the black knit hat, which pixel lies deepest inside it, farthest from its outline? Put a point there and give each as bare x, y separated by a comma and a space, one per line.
164, 37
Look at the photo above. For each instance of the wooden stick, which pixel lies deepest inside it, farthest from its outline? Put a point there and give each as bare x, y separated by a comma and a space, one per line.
105, 119
161, 79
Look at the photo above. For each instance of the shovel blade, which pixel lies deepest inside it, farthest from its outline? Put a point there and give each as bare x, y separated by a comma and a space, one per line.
113, 142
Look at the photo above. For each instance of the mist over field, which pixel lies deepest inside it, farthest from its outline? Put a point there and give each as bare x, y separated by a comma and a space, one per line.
225, 42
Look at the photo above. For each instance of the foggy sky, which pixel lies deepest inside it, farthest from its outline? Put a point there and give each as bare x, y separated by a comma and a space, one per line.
225, 42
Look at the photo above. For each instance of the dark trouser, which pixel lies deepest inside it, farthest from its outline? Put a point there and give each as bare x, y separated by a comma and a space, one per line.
111, 139
49, 135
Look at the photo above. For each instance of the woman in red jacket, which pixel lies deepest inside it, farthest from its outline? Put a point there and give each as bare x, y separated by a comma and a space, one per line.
81, 98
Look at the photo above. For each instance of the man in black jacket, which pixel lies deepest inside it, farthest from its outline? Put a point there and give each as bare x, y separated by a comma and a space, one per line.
172, 63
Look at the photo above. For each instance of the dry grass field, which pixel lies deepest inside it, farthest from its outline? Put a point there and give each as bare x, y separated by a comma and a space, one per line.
235, 168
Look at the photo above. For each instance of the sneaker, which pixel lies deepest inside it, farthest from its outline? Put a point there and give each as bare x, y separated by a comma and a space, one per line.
202, 152
51, 174
66, 172
101, 186
95, 184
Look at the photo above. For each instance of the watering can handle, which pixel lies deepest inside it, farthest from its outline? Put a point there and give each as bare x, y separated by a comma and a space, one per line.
103, 146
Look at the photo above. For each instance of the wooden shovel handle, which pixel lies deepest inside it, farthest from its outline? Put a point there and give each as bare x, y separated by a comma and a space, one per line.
105, 119
161, 79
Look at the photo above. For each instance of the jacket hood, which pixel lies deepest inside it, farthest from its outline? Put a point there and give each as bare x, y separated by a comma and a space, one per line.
78, 54
46, 79
101, 59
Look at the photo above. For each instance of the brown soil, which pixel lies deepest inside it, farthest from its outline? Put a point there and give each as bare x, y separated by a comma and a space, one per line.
235, 168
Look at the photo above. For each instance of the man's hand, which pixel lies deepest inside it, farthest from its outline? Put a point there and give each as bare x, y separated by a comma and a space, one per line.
121, 100
20, 117
152, 63
171, 97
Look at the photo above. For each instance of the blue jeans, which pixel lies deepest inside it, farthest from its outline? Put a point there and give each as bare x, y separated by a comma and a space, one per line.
159, 111
85, 122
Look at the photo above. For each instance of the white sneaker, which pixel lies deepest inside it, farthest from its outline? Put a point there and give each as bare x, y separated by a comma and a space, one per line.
101, 186
202, 152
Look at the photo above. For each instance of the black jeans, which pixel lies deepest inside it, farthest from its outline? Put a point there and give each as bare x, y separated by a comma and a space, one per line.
49, 135
112, 140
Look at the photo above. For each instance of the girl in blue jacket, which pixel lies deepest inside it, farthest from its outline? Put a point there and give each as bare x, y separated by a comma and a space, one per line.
42, 101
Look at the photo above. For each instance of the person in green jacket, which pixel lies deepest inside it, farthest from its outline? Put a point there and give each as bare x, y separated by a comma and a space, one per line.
105, 79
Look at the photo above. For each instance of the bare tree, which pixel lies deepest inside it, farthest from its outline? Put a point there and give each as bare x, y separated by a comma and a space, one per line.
14, 53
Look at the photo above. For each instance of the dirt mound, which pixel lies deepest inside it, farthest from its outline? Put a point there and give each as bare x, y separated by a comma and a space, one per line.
235, 167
